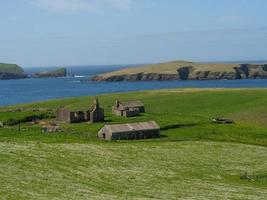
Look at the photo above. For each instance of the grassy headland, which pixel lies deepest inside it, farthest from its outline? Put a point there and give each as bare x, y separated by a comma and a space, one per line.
11, 71
171, 68
183, 70
194, 158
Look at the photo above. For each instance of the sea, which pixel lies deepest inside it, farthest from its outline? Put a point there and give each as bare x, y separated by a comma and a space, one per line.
78, 84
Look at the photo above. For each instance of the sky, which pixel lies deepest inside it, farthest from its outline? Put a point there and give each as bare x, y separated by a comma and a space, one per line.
106, 32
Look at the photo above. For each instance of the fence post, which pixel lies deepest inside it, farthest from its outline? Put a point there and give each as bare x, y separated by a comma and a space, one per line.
19, 127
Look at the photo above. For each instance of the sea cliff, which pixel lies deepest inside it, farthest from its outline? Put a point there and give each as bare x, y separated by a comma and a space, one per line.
181, 70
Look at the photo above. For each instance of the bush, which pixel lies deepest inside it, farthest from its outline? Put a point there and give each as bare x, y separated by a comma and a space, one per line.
11, 122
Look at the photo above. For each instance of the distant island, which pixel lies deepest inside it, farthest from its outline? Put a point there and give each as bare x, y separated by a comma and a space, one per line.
11, 71
184, 70
61, 72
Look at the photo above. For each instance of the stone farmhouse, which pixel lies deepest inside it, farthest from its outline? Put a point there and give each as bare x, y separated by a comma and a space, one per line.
128, 109
133, 131
94, 114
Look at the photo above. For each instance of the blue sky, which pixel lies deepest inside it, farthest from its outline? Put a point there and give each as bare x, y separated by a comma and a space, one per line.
100, 32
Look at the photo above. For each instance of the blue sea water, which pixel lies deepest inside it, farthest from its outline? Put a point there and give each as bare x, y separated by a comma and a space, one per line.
31, 90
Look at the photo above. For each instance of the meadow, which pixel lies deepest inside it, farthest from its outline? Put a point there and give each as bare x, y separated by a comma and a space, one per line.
193, 159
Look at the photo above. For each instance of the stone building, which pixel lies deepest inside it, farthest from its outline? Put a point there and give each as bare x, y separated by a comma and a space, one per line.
94, 114
133, 131
128, 109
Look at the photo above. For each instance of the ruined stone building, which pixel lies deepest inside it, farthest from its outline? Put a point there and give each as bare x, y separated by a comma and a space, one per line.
133, 131
94, 114
128, 109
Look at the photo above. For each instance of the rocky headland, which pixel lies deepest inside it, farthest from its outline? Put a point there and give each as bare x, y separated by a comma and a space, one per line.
11, 71
61, 72
182, 70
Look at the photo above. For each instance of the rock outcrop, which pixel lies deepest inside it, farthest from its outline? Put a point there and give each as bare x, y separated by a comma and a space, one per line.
251, 71
138, 77
61, 72
194, 72
11, 71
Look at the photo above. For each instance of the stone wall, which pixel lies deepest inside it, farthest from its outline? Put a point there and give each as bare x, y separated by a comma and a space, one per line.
63, 115
117, 112
79, 116
97, 115
131, 113
134, 135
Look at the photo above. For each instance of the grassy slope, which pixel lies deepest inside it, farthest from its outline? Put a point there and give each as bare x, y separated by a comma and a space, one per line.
201, 170
10, 68
185, 163
171, 68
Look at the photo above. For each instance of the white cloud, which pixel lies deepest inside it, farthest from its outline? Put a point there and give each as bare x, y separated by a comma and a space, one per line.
82, 5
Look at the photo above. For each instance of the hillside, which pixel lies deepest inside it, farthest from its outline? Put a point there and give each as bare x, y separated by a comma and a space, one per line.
61, 72
11, 71
183, 70
193, 159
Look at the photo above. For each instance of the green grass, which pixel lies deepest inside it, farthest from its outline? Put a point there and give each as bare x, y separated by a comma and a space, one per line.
170, 170
182, 114
194, 158
171, 68
10, 68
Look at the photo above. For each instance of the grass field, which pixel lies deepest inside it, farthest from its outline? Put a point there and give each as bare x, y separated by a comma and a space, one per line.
194, 158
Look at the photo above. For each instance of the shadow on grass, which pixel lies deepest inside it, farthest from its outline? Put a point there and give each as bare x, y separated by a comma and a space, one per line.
163, 136
108, 120
175, 126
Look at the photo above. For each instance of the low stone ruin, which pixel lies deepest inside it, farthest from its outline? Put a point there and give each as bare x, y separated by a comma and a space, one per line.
34, 122
51, 128
94, 114
30, 110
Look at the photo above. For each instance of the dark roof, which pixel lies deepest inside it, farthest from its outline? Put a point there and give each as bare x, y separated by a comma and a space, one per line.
132, 104
141, 126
